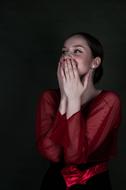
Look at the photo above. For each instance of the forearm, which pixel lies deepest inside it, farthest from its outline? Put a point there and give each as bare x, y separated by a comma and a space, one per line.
75, 143
62, 105
73, 106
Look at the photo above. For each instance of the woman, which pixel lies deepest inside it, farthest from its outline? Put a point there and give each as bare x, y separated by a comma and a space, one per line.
77, 124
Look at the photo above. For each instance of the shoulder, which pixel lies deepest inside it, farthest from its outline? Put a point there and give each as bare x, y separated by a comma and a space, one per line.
111, 97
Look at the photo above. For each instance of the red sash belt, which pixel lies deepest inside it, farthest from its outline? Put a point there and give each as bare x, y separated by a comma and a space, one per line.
72, 175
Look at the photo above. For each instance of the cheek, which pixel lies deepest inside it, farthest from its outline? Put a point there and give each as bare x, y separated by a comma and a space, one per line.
83, 61
83, 64
82, 58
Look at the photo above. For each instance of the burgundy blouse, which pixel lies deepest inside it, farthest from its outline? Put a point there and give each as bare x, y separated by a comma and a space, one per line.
88, 135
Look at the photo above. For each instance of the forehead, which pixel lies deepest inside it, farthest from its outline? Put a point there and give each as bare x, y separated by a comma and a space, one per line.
75, 40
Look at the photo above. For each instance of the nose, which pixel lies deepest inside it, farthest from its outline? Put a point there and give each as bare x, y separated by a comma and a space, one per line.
68, 55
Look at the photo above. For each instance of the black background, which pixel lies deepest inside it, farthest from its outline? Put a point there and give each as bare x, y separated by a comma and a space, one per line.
31, 35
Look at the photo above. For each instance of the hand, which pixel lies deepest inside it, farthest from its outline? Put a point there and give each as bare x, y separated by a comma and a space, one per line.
60, 79
73, 86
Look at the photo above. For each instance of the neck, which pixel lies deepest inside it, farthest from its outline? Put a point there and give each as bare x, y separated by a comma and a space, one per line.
90, 92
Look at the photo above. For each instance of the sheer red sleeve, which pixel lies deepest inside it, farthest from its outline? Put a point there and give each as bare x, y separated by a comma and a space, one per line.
48, 118
91, 135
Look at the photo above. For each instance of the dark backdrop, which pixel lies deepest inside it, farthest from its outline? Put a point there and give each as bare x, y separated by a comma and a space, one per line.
30, 37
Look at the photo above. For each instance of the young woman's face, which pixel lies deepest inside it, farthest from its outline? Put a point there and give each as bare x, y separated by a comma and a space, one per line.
77, 48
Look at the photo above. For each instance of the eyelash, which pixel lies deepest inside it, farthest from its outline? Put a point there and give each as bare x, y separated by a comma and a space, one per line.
63, 51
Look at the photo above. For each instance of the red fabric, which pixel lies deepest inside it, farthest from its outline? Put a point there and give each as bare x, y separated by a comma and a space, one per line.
88, 135
72, 175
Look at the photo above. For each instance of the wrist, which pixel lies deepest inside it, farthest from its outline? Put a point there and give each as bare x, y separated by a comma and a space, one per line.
74, 101
73, 106
63, 98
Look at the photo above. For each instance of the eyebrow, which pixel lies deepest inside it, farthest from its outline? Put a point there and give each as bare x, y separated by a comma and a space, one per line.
77, 46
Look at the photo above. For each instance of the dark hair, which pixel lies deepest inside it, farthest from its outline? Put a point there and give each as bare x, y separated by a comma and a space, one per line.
96, 49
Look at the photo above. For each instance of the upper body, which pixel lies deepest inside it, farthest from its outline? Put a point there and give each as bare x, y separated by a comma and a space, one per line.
88, 135
75, 124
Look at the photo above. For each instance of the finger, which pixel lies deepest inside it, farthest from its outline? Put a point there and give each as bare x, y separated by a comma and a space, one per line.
70, 68
61, 60
66, 69
63, 74
75, 68
58, 68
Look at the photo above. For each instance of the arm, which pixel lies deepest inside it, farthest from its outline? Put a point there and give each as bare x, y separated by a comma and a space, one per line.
62, 106
47, 119
73, 106
86, 134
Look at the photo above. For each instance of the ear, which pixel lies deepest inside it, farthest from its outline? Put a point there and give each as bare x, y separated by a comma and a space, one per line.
96, 62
